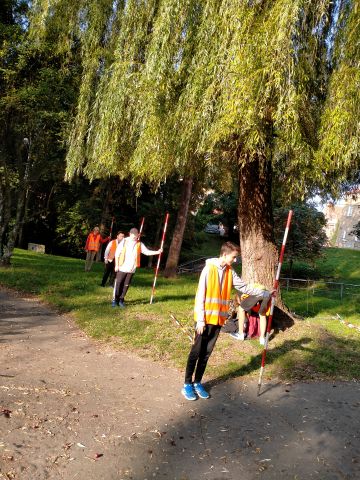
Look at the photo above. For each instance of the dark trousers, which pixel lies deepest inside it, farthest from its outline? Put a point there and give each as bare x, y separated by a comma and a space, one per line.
109, 269
200, 353
122, 283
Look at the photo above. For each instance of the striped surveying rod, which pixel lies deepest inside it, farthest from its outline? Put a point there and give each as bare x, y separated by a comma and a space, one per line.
183, 329
276, 286
159, 258
141, 227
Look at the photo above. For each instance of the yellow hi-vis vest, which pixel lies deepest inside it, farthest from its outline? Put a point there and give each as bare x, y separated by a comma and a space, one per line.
216, 301
123, 252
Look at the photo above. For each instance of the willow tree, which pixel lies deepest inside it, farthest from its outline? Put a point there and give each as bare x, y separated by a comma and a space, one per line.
136, 56
235, 88
254, 101
268, 98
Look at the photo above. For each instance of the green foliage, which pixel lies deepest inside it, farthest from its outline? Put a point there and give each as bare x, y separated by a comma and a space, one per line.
37, 94
217, 207
339, 127
167, 86
306, 238
202, 88
74, 224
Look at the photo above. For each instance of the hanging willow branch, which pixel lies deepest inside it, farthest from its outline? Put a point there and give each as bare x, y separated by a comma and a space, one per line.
173, 86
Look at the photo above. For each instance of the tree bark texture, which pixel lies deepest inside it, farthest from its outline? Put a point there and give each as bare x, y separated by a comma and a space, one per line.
8, 243
5, 216
178, 235
14, 232
258, 250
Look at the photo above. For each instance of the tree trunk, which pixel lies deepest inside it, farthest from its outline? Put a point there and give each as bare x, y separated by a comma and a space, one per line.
14, 232
258, 251
178, 235
19, 243
5, 216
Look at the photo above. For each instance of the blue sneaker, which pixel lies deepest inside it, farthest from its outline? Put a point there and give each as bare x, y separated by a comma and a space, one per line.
188, 391
113, 303
121, 304
200, 390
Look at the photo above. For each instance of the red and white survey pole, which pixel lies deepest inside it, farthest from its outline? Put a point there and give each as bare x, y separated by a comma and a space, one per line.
159, 257
276, 286
141, 227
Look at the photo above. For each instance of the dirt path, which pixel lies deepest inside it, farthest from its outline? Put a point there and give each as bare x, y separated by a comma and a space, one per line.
75, 409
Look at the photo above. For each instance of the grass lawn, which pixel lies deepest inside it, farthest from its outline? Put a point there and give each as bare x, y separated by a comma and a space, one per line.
318, 347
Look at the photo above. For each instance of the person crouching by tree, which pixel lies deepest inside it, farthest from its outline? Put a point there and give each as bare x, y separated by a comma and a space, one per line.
127, 259
257, 304
211, 310
109, 258
93, 242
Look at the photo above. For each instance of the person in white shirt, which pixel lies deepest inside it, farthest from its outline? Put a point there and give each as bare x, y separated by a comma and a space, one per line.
127, 259
109, 258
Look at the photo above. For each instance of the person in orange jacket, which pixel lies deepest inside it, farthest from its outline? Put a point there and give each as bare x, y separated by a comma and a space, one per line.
93, 242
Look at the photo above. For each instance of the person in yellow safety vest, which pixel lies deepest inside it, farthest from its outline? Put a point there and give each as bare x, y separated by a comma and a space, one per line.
109, 258
93, 242
210, 312
127, 259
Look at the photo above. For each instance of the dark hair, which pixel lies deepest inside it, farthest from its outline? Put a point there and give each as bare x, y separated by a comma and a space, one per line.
120, 231
229, 247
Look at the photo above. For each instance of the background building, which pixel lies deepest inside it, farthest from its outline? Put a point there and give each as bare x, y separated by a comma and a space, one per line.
341, 220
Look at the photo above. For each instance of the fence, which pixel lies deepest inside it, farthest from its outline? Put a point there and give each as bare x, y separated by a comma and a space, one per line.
193, 266
333, 289
316, 292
